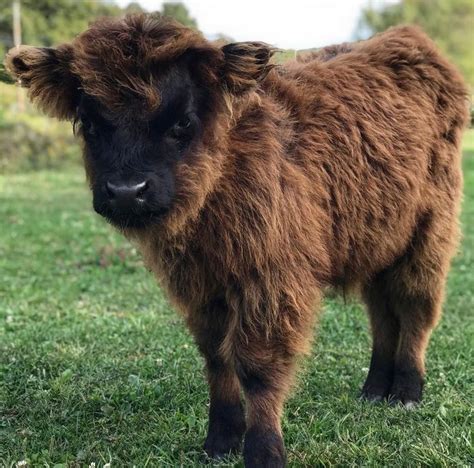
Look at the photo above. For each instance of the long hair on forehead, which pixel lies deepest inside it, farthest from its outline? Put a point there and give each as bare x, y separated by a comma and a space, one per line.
118, 60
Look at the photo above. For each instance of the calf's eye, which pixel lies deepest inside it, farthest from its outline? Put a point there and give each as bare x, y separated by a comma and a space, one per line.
181, 127
87, 126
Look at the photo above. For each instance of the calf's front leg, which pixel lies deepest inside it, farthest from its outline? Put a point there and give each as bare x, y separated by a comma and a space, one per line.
266, 364
226, 413
265, 390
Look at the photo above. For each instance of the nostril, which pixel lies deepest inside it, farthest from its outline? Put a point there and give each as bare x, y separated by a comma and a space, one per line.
110, 189
141, 188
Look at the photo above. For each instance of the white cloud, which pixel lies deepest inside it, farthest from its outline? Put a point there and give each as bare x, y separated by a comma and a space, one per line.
297, 24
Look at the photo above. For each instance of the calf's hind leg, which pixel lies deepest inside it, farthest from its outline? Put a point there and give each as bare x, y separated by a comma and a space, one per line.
412, 290
417, 286
385, 328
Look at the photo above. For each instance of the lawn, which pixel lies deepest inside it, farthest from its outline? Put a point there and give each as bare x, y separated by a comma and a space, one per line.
96, 367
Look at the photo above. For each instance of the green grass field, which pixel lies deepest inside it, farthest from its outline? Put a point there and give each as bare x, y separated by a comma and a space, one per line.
96, 367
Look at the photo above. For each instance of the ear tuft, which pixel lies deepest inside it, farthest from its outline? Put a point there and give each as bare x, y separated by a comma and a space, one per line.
45, 72
246, 64
23, 61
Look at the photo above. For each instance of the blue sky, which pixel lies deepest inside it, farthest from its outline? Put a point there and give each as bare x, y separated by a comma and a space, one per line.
295, 24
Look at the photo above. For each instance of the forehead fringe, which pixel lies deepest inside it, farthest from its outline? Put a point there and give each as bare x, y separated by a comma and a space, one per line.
115, 59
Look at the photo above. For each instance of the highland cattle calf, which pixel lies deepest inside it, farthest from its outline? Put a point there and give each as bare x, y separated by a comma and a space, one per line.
251, 187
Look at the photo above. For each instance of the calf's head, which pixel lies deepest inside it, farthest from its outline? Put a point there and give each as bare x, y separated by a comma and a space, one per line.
147, 97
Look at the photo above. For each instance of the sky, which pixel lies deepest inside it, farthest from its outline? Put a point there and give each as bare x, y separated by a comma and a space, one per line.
288, 24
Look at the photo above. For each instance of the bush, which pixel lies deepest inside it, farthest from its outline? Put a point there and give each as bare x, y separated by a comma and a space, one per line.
30, 141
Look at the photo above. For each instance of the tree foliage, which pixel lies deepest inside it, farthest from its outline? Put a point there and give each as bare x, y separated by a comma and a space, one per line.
179, 12
132, 8
449, 22
49, 22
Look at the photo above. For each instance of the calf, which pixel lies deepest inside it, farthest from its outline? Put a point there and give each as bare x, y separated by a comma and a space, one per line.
251, 187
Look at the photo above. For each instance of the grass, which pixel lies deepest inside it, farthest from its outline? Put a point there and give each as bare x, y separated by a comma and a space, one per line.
96, 367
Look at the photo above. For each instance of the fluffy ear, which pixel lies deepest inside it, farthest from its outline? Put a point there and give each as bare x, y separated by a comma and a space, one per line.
46, 74
246, 64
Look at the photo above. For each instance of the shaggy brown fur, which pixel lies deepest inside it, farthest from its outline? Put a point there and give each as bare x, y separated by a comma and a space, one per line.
342, 170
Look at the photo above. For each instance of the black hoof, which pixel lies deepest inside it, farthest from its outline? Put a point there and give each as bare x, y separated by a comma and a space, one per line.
220, 445
226, 430
376, 388
264, 449
407, 389
371, 397
407, 404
